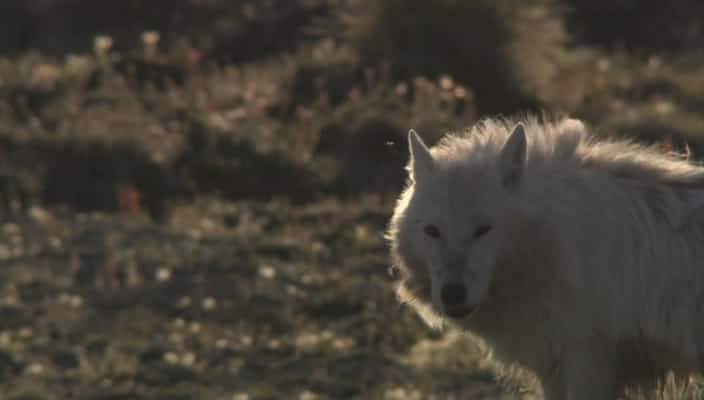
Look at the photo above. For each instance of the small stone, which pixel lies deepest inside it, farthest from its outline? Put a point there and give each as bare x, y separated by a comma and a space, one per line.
342, 343
5, 339
39, 215
55, 243
184, 302
102, 44
171, 357
25, 333
267, 272
5, 252
75, 301
460, 92
150, 38
209, 304
308, 395
401, 89
188, 359
163, 274
446, 82
35, 369
246, 340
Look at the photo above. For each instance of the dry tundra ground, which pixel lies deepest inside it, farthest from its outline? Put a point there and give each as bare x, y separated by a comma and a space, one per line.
206, 216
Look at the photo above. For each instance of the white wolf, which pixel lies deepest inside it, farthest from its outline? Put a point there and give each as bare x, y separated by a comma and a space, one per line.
577, 258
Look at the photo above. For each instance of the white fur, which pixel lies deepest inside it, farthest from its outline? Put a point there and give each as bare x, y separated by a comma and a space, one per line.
592, 274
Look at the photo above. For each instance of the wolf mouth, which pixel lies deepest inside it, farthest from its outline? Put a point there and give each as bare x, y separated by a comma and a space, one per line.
460, 311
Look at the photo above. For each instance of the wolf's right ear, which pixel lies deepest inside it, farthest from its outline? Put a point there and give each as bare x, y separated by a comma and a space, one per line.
513, 157
421, 161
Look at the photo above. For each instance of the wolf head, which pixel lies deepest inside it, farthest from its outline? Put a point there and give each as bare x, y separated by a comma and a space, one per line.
447, 225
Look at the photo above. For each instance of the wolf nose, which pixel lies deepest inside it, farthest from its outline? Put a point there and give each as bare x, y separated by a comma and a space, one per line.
453, 294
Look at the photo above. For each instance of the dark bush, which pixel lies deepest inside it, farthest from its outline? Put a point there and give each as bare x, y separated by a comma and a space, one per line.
504, 51
638, 25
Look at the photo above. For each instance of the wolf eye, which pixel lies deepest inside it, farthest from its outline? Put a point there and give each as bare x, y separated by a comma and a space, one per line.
482, 230
432, 231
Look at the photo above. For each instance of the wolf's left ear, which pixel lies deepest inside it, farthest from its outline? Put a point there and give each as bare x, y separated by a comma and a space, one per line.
571, 125
421, 161
513, 156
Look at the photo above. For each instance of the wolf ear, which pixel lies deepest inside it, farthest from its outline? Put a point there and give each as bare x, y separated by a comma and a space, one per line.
513, 156
421, 161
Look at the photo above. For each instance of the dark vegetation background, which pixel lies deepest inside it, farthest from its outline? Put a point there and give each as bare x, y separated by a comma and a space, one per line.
194, 192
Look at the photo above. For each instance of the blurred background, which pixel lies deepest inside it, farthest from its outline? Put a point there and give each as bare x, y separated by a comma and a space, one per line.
193, 193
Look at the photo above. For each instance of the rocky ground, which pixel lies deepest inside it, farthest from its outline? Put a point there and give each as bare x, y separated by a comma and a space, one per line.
207, 197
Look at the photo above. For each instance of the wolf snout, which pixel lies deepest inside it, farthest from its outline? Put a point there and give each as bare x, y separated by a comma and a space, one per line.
454, 301
453, 294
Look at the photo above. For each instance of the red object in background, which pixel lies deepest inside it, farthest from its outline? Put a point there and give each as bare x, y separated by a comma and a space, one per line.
195, 56
128, 199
